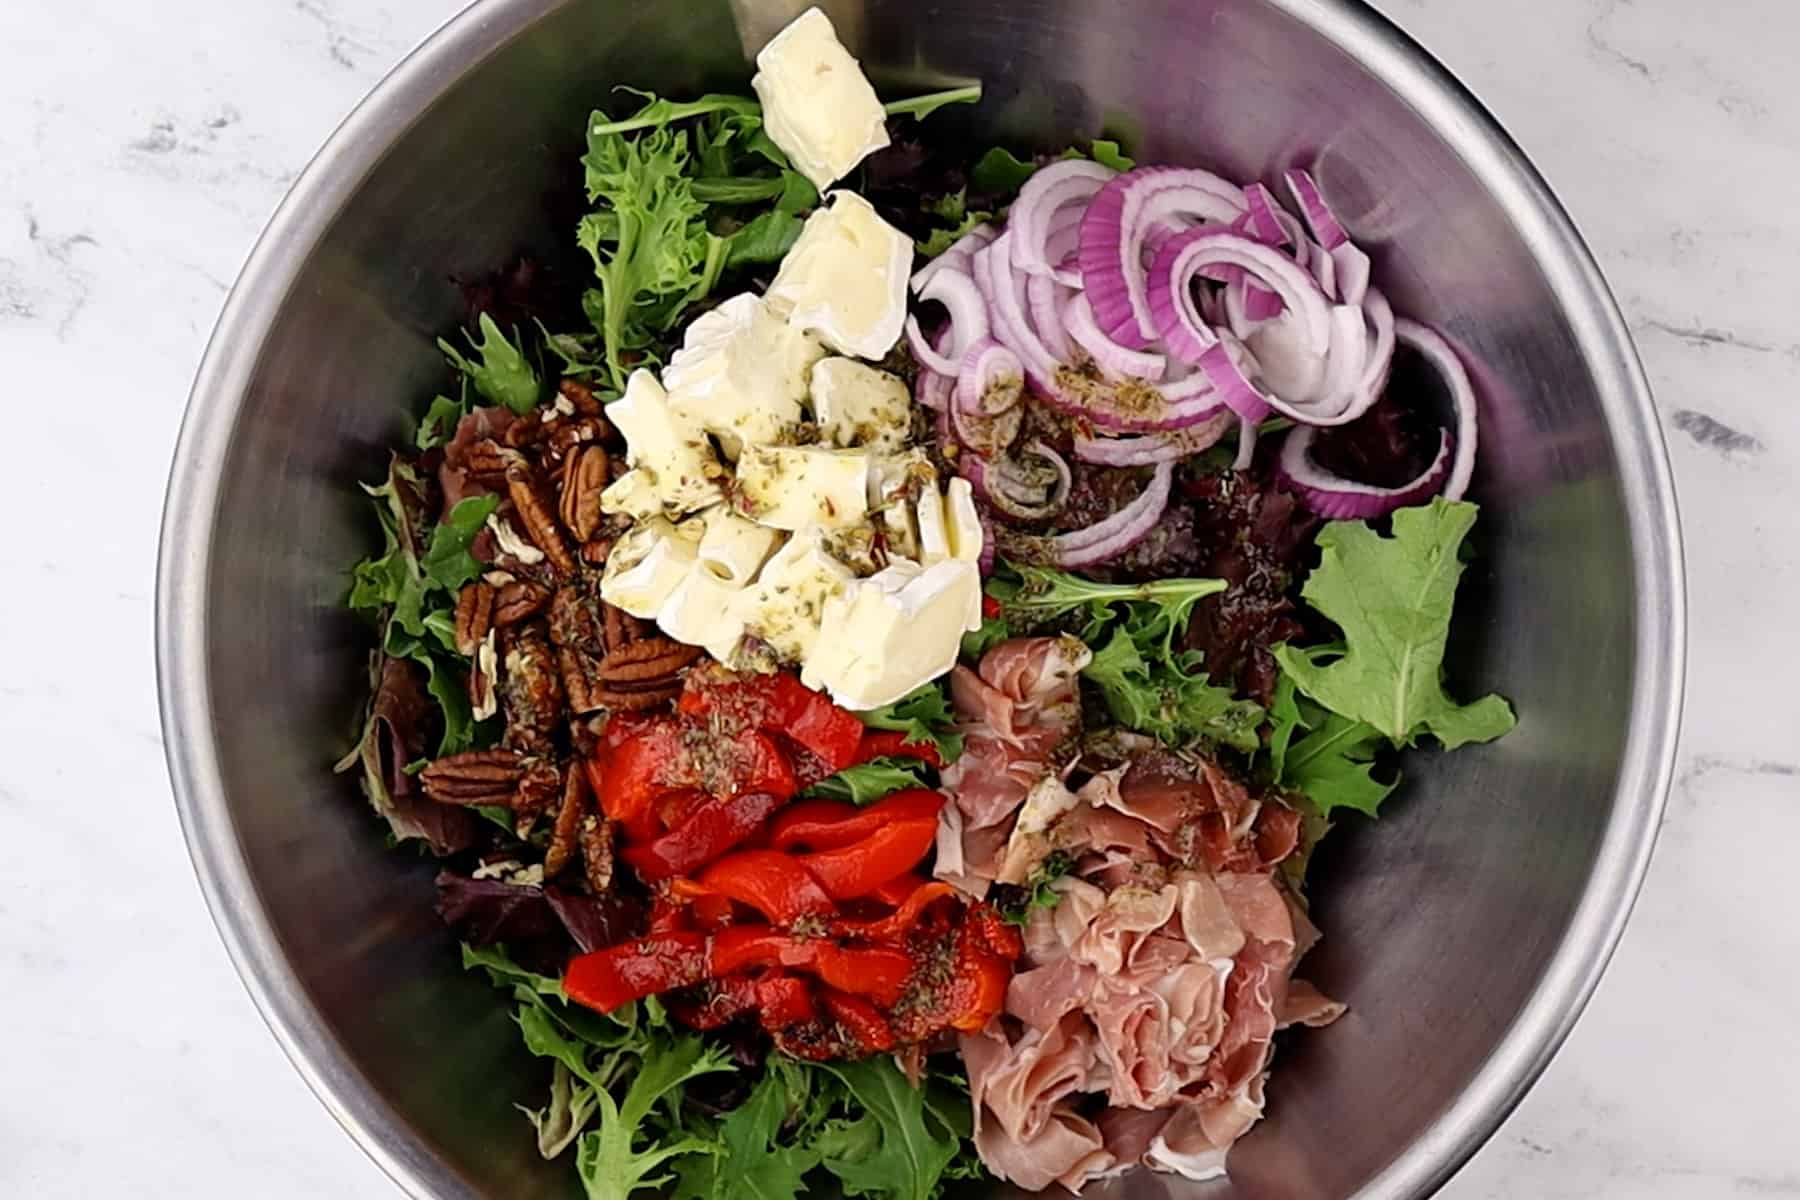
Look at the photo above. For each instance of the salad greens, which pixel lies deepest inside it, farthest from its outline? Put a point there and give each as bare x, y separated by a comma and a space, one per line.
868, 782
1392, 597
613, 1097
503, 374
925, 715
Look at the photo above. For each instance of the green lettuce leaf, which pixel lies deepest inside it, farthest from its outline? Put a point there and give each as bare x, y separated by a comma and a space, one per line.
868, 782
1392, 597
618, 1158
1167, 696
503, 374
920, 107
897, 1146
924, 715
999, 172
657, 112
1333, 762
438, 424
1108, 154
753, 1160
447, 563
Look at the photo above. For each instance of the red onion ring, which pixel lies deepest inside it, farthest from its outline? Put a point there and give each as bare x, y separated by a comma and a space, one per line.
1326, 228
1106, 540
1107, 354
1152, 448
1171, 294
1061, 187
960, 256
1113, 232
990, 381
956, 291
1046, 299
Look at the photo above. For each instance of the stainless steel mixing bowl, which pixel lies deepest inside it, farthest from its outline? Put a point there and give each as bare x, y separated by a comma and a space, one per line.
1466, 930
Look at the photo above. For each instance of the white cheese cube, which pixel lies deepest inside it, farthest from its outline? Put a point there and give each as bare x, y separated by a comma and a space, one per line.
966, 535
893, 632
741, 374
789, 487
633, 494
856, 405
672, 450
894, 481
846, 278
733, 548
646, 566
818, 106
700, 612
785, 603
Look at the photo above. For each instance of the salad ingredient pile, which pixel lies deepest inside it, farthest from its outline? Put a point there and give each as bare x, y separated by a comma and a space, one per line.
875, 676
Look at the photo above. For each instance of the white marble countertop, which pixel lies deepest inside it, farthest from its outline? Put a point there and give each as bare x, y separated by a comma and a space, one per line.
142, 147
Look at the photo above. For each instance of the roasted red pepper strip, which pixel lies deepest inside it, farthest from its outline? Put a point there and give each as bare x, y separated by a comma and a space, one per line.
977, 989
878, 972
612, 978
862, 867
780, 703
712, 829
829, 824
897, 924
861, 1021
777, 1001
664, 758
774, 884
892, 743
897, 890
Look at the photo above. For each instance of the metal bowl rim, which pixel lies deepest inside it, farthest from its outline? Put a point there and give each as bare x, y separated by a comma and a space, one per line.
184, 559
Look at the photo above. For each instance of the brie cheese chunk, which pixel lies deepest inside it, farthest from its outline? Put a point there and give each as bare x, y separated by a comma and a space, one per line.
783, 607
894, 481
856, 405
892, 632
742, 374
818, 106
734, 549
671, 449
790, 487
646, 566
846, 278
700, 613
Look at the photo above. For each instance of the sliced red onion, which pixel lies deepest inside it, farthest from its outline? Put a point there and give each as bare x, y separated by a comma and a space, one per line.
1381, 348
1153, 448
1113, 233
989, 551
1353, 270
1449, 472
1047, 299
1346, 500
1171, 291
932, 390
990, 381
1222, 366
1246, 449
1105, 540
1326, 228
1004, 290
1260, 220
1449, 366
959, 256
956, 291
1060, 188
1107, 354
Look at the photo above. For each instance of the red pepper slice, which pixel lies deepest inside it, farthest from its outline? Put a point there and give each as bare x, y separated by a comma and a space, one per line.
862, 867
892, 743
830, 824
778, 1001
612, 978
773, 883
977, 989
897, 924
713, 828
895, 891
861, 1021
780, 703
991, 608
663, 759
878, 972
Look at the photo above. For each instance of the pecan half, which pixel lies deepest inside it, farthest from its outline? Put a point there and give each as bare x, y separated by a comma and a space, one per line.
533, 691
636, 700
518, 600
597, 853
653, 660
619, 628
540, 524
568, 822
474, 616
530, 428
573, 620
582, 397
583, 479
539, 787
570, 434
597, 551
474, 777
580, 679
488, 460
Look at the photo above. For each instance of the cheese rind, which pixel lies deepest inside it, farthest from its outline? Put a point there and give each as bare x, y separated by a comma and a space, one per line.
742, 374
818, 106
892, 632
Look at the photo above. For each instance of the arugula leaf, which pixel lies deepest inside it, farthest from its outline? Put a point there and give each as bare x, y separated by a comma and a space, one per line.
764, 241
1332, 764
753, 1159
610, 1167
657, 112
1108, 154
572, 1105
993, 631
1392, 597
868, 782
898, 1146
503, 375
920, 107
999, 172
1169, 699
438, 424
1044, 594
924, 715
